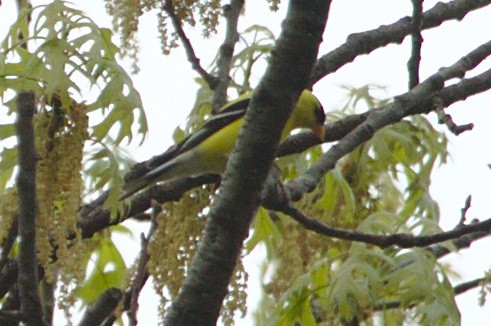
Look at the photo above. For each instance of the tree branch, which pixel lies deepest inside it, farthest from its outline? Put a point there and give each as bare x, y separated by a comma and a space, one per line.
447, 120
231, 13
458, 289
141, 275
416, 42
463, 211
101, 308
188, 47
8, 276
94, 217
401, 240
469, 285
201, 296
366, 42
11, 307
464, 241
28, 209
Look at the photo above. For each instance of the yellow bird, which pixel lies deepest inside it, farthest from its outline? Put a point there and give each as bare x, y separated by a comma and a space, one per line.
207, 150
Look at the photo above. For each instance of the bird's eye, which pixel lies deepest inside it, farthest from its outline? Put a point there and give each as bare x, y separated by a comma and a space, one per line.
320, 116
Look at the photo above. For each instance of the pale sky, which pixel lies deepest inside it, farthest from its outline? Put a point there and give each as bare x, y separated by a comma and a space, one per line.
168, 89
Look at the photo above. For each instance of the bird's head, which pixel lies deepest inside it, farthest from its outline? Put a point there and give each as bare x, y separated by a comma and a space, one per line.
308, 113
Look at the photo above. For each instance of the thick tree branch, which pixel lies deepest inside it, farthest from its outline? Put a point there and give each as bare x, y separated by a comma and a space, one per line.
416, 42
28, 209
366, 42
188, 47
231, 13
205, 286
95, 218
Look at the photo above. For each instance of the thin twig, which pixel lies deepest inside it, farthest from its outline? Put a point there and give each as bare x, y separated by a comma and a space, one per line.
141, 275
469, 285
416, 42
464, 210
188, 47
129, 299
465, 241
447, 120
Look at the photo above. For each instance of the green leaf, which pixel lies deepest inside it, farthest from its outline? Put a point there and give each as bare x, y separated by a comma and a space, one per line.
348, 195
265, 231
178, 135
109, 269
8, 161
104, 170
307, 317
7, 131
110, 49
328, 200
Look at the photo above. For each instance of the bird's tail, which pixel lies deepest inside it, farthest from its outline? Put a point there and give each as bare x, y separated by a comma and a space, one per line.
132, 186
159, 173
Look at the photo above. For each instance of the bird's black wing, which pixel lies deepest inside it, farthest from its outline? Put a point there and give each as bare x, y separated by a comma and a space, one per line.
229, 114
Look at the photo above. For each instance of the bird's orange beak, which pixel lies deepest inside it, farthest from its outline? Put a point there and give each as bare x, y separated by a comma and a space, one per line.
319, 131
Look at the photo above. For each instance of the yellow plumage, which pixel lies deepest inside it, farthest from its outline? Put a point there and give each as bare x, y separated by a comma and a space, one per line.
207, 150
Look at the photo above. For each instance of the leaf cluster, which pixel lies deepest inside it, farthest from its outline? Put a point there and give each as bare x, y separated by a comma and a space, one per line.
63, 50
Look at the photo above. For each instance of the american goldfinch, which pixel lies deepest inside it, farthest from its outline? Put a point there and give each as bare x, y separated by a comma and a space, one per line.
207, 150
